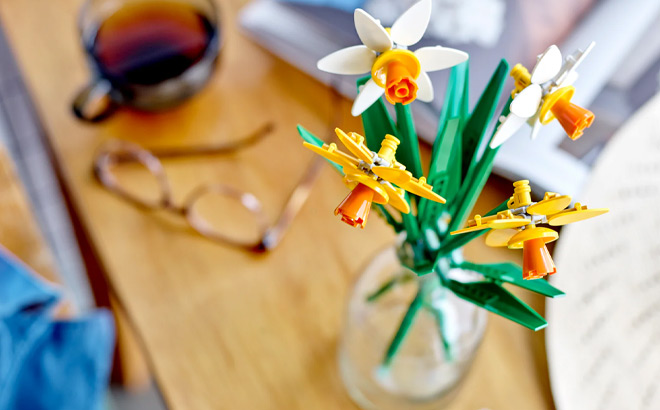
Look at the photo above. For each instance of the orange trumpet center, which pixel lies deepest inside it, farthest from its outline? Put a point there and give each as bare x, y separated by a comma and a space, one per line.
354, 209
400, 86
537, 261
574, 119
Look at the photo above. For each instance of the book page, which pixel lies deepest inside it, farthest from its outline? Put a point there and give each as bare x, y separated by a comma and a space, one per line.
603, 338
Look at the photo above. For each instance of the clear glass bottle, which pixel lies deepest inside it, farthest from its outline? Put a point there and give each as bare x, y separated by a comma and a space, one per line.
434, 355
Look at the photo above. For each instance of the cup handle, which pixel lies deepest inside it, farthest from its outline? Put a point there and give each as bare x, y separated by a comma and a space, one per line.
94, 103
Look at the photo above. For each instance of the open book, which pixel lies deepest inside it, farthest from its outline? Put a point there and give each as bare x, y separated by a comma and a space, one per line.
603, 341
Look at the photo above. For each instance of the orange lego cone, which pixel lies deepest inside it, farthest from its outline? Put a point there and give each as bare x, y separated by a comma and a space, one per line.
537, 261
400, 86
354, 209
573, 119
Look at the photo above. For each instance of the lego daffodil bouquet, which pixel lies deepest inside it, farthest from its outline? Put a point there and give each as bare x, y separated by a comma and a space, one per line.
383, 170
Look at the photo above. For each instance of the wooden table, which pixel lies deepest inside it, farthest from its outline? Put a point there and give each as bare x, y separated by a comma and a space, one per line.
224, 329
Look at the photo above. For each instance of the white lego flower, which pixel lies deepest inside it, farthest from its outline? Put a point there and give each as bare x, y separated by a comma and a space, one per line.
395, 71
550, 74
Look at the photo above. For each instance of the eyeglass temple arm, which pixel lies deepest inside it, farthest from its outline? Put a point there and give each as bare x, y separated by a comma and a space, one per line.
227, 148
273, 235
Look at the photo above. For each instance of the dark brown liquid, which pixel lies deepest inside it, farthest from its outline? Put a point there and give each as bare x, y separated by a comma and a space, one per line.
149, 42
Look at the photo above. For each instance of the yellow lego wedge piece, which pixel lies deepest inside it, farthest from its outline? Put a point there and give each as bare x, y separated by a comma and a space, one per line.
355, 144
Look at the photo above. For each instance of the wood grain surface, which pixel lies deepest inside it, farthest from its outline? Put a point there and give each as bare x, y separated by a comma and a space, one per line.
224, 329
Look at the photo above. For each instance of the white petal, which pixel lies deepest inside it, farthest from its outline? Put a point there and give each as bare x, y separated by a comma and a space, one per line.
568, 75
424, 88
527, 102
371, 32
548, 65
369, 94
438, 58
536, 127
351, 60
569, 79
410, 27
506, 129
579, 55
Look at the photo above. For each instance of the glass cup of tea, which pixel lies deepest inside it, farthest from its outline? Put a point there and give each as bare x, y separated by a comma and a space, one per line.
146, 54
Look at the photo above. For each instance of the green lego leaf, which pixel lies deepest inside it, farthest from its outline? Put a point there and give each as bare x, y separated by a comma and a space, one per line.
445, 168
309, 137
445, 163
408, 151
455, 106
376, 121
512, 273
314, 140
474, 182
498, 300
475, 128
465, 101
454, 166
443, 178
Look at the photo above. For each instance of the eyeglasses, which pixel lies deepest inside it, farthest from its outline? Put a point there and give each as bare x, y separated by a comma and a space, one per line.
116, 153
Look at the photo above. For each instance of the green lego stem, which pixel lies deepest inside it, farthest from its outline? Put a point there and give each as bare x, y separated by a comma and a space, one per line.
475, 181
408, 151
403, 329
439, 320
396, 225
387, 286
411, 227
410, 224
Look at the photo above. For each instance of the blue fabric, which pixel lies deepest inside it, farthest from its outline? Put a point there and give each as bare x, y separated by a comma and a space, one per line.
18, 287
47, 363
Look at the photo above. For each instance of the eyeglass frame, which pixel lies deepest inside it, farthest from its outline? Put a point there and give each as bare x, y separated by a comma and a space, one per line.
117, 152
269, 235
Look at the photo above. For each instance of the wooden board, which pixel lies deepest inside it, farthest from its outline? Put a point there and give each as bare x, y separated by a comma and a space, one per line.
19, 232
18, 229
224, 329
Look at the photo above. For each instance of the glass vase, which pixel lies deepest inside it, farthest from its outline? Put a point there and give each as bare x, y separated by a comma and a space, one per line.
383, 368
